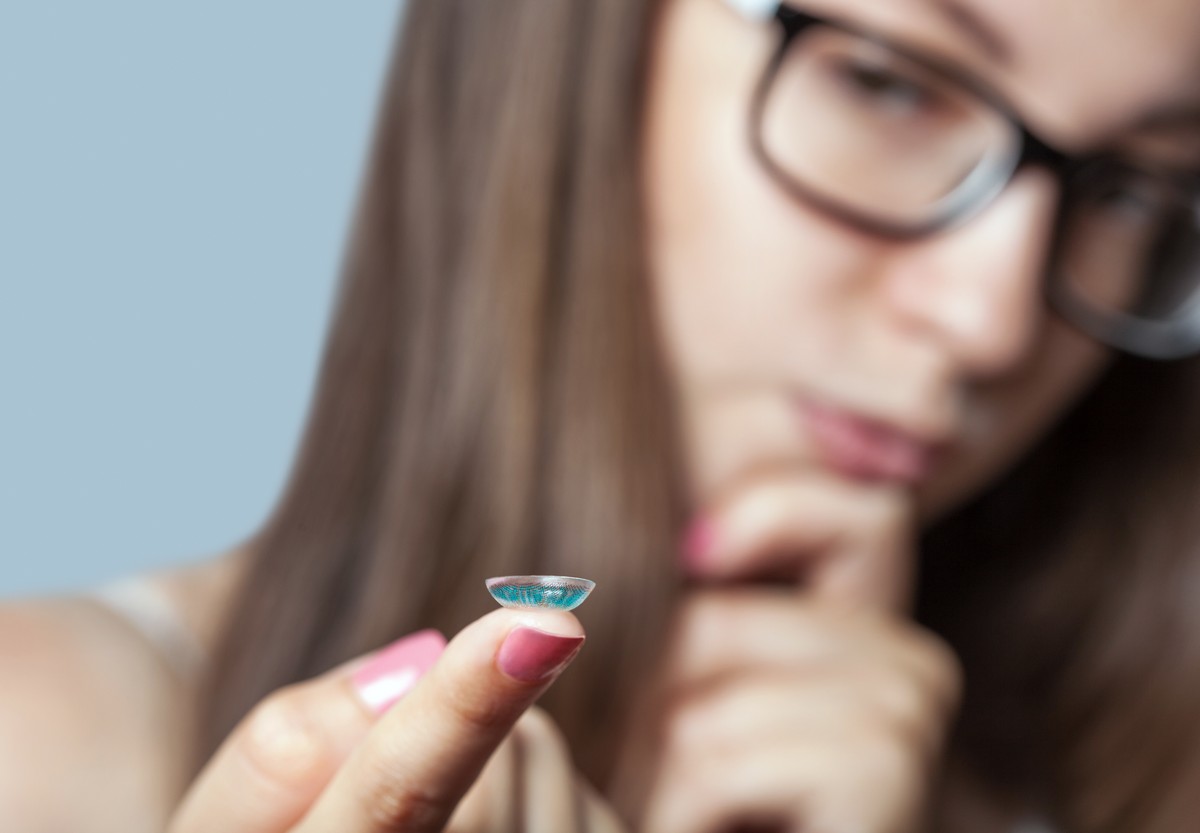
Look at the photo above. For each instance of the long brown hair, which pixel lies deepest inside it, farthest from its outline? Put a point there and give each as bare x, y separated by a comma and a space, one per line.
492, 400
1070, 589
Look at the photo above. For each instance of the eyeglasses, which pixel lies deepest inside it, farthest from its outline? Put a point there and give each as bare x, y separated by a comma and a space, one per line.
901, 145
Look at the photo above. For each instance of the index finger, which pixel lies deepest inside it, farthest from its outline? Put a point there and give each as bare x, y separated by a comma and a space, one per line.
422, 756
841, 541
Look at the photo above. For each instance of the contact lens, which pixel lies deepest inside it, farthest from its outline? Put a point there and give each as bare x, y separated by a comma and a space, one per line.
557, 592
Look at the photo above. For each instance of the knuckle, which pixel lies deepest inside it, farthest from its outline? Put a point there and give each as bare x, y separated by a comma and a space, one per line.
694, 771
905, 704
281, 742
768, 506
887, 759
393, 802
911, 719
747, 508
478, 712
698, 613
687, 729
698, 634
897, 779
704, 722
943, 670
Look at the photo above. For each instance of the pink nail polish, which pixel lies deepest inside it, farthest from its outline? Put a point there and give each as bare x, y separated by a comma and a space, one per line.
391, 672
531, 655
698, 542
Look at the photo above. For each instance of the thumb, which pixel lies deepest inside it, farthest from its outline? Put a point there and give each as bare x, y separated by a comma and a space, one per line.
423, 755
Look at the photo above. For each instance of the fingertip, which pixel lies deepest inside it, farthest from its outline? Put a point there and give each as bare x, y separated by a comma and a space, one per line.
526, 645
559, 622
531, 655
444, 730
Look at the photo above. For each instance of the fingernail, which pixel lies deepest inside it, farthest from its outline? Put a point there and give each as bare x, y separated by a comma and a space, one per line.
391, 672
531, 655
698, 542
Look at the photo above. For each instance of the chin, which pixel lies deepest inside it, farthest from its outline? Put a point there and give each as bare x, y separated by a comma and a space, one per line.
958, 480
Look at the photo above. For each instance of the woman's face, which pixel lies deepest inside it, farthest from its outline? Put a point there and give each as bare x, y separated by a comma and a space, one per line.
795, 339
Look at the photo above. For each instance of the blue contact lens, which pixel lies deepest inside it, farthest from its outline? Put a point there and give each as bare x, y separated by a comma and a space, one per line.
557, 592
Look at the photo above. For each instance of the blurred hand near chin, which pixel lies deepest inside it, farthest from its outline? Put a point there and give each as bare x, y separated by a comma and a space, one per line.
811, 702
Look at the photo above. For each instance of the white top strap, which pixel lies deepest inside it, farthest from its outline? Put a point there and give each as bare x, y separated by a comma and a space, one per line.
146, 606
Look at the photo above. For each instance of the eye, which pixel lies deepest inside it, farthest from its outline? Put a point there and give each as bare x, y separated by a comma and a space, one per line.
885, 88
1133, 197
557, 592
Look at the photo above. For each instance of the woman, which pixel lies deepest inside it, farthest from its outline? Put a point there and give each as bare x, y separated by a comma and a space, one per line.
855, 298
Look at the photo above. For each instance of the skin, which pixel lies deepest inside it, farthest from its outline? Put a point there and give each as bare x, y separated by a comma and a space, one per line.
763, 298
791, 709
817, 704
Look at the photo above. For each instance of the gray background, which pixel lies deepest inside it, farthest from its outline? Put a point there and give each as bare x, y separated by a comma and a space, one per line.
176, 183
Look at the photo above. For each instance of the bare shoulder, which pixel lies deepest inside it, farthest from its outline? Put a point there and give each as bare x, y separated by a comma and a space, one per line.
93, 722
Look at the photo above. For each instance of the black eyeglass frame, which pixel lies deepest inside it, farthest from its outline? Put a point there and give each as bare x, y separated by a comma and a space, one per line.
1170, 338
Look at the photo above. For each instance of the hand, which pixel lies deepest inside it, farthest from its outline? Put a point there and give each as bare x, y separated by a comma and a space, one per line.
315, 756
530, 786
815, 707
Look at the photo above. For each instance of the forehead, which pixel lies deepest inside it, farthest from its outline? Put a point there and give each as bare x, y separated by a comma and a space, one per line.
1103, 61
1079, 68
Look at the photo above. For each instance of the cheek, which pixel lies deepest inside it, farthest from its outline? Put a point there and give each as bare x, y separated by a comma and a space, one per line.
727, 247
755, 294
1005, 419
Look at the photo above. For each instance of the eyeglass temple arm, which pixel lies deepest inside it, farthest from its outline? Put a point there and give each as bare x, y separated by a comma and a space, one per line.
792, 20
755, 9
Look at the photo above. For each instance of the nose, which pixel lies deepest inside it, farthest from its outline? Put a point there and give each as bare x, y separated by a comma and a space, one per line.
976, 289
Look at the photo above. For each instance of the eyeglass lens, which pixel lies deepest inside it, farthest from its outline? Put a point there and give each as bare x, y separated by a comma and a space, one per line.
1130, 244
855, 122
862, 126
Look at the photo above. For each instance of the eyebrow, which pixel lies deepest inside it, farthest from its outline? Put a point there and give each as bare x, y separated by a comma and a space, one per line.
1172, 118
971, 24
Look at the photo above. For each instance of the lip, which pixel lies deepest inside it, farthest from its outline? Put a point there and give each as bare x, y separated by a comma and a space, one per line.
866, 448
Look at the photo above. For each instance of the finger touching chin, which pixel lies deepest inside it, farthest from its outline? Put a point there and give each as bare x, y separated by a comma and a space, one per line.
825, 535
